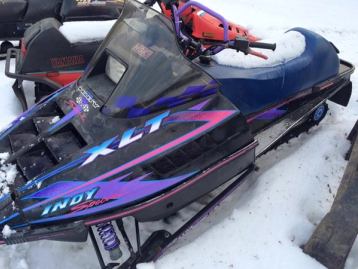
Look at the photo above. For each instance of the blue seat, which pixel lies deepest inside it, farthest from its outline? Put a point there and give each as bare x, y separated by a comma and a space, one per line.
254, 89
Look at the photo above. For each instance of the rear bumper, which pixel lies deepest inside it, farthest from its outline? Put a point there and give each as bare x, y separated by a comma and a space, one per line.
14, 55
343, 96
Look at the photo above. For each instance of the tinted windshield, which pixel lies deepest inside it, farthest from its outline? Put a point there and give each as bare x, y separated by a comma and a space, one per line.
140, 66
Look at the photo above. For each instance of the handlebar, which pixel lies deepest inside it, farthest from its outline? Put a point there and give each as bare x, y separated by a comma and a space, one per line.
239, 44
242, 44
261, 45
245, 46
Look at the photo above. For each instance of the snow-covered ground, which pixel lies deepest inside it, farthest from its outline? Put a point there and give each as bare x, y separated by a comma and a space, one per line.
264, 223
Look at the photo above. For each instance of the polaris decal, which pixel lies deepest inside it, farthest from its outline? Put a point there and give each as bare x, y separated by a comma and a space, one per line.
89, 97
82, 102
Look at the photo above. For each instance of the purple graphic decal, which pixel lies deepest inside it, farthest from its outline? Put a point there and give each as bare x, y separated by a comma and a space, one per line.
59, 187
104, 195
209, 118
198, 91
201, 105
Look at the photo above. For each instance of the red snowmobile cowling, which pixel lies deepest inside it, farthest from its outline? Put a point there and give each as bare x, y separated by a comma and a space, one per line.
205, 27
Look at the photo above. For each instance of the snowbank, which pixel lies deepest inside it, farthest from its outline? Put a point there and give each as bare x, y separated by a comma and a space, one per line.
86, 31
289, 46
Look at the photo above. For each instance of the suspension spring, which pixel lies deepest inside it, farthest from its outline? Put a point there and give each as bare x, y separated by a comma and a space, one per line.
109, 239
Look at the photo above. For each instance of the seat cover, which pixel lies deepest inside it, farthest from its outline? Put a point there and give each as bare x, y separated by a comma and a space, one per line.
12, 10
253, 89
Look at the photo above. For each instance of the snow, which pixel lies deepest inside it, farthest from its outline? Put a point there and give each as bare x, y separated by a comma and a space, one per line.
146, 266
7, 232
289, 46
264, 223
8, 173
55, 120
86, 31
3, 157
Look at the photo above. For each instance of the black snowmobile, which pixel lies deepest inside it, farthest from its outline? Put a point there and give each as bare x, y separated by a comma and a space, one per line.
146, 131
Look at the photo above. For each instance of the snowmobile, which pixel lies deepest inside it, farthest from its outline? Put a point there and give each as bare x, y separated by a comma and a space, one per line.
52, 67
146, 131
18, 15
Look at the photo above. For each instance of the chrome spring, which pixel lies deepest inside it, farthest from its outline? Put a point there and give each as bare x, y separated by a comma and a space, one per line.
109, 239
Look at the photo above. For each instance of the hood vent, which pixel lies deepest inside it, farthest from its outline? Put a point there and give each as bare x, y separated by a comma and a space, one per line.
36, 161
183, 156
35, 153
65, 143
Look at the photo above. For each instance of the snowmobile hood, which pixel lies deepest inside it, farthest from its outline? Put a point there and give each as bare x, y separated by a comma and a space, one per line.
101, 145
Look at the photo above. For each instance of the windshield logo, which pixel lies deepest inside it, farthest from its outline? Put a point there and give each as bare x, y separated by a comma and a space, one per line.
143, 51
